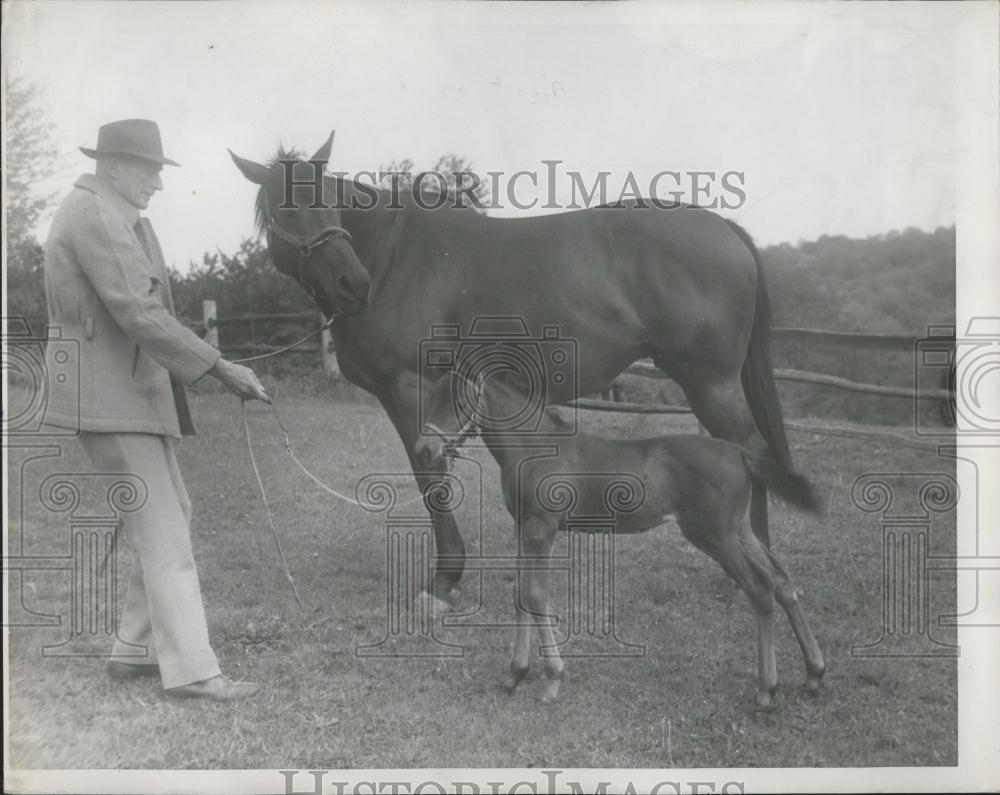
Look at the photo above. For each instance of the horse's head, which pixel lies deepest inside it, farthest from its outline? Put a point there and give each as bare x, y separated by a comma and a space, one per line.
304, 231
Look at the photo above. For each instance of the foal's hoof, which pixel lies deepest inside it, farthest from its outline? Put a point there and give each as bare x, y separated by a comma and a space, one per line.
764, 697
814, 678
514, 677
552, 685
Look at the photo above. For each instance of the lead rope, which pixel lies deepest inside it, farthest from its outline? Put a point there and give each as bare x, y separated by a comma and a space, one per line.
291, 454
289, 450
295, 344
267, 507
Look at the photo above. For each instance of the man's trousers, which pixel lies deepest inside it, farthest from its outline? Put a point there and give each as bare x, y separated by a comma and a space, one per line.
163, 611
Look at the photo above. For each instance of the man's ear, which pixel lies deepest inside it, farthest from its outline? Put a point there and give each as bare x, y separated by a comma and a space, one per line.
108, 166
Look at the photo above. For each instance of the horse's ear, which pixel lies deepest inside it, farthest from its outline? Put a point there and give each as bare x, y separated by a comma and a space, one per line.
323, 153
254, 172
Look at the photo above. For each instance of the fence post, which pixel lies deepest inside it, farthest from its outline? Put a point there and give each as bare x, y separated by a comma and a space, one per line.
209, 314
327, 350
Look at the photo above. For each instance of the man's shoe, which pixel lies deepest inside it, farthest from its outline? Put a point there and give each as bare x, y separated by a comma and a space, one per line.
218, 688
120, 670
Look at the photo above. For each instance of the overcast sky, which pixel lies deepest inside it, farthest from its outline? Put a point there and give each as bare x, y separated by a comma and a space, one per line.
841, 116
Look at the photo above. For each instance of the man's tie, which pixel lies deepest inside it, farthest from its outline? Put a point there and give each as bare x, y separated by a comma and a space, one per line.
143, 240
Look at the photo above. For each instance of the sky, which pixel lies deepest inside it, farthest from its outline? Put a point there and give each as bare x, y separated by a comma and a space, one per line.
840, 116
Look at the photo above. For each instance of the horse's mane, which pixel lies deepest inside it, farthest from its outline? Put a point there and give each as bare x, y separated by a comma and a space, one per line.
262, 213
382, 246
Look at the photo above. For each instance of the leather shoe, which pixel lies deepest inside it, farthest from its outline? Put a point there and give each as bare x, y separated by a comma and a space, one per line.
218, 688
120, 670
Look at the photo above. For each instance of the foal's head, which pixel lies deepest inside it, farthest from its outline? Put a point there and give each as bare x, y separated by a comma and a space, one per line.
454, 410
495, 403
297, 210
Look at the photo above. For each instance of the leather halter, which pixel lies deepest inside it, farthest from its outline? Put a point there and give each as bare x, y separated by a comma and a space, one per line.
305, 247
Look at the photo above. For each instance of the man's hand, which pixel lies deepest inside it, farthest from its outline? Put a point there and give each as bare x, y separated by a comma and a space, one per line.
240, 380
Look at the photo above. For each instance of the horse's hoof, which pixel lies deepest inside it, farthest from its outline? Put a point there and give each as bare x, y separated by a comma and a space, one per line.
764, 699
434, 604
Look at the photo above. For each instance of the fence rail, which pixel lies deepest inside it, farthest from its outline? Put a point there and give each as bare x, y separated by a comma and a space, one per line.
211, 323
649, 370
898, 342
855, 339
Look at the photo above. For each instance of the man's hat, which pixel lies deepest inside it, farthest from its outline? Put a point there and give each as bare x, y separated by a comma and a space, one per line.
136, 137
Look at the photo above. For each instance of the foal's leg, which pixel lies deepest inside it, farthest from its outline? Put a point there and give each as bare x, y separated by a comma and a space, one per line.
789, 601
721, 407
535, 543
521, 657
731, 552
759, 588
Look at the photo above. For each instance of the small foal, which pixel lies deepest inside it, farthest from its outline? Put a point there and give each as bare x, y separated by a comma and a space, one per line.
703, 483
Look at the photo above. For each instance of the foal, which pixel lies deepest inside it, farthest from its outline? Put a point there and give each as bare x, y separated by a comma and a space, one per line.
704, 483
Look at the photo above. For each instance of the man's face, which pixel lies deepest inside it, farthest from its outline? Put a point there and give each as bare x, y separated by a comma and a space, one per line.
136, 180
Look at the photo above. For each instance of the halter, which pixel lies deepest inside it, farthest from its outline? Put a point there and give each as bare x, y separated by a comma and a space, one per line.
304, 247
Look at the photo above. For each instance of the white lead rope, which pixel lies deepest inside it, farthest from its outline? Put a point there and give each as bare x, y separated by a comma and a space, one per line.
329, 490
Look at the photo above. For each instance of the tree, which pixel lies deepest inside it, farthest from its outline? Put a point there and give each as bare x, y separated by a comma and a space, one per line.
30, 157
452, 172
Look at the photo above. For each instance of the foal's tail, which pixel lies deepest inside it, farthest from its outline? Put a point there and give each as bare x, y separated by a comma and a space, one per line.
790, 486
758, 373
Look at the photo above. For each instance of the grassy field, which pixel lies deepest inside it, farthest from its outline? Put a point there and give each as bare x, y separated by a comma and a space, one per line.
686, 702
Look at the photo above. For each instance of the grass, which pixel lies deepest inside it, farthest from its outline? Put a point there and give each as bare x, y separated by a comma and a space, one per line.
687, 702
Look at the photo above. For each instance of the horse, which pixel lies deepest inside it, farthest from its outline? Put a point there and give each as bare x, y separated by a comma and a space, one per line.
619, 282
703, 483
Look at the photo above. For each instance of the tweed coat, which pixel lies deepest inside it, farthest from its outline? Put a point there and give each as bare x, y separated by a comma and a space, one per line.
117, 359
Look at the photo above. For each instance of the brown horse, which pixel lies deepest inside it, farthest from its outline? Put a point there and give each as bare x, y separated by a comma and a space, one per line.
703, 483
619, 283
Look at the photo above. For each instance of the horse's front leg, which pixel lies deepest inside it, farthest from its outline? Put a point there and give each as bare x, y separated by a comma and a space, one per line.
402, 406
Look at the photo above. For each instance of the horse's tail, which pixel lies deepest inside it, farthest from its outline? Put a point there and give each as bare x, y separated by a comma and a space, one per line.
790, 486
758, 373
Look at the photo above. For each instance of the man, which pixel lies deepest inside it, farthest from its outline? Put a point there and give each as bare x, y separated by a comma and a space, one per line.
108, 290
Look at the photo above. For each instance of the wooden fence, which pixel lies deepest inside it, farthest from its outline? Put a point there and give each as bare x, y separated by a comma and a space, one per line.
323, 349
897, 342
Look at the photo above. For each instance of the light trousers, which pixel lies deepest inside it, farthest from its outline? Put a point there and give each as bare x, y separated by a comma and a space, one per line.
163, 612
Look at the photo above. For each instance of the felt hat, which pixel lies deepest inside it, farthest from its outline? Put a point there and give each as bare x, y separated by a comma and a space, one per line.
135, 137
